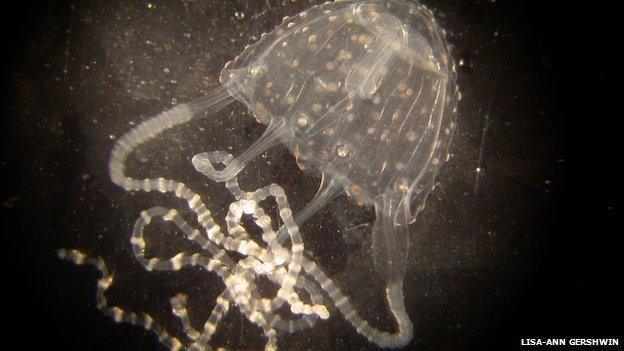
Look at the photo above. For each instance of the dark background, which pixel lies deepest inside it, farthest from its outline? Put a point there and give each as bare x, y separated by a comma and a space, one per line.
531, 249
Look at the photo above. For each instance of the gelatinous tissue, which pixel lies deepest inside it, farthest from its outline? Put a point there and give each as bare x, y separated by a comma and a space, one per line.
362, 91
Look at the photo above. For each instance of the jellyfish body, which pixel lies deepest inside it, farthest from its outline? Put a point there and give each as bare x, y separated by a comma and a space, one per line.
364, 92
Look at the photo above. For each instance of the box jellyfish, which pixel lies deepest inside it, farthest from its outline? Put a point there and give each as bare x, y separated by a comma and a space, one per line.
362, 91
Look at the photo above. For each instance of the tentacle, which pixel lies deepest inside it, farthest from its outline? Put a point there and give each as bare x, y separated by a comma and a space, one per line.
391, 237
117, 314
154, 126
394, 296
328, 190
394, 290
280, 265
273, 135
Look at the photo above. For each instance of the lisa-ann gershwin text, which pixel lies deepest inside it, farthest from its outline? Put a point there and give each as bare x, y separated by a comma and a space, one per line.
569, 342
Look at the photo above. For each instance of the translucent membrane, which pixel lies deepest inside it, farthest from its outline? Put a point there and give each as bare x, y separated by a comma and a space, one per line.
363, 91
